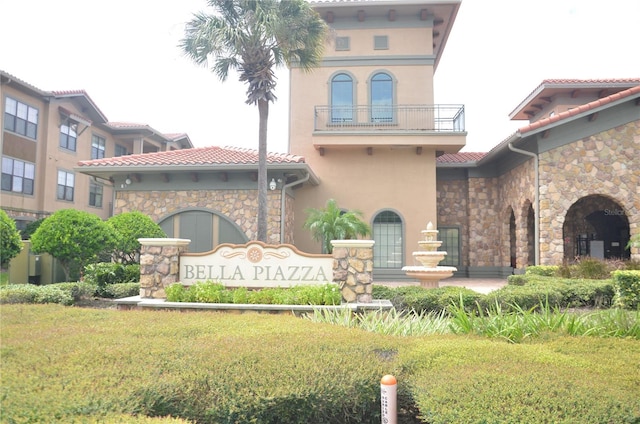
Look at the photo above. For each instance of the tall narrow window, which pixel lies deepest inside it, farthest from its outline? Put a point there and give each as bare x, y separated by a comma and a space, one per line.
95, 194
66, 183
97, 147
450, 237
68, 136
342, 98
381, 98
387, 233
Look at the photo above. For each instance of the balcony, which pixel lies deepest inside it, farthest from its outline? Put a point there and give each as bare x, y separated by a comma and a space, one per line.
390, 120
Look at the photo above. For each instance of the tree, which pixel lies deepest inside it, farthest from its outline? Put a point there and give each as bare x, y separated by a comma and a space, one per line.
128, 228
253, 38
74, 238
10, 241
332, 223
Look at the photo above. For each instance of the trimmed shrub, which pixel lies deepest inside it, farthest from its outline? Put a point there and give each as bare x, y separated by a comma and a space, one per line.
627, 289
216, 292
422, 300
27, 293
543, 270
517, 280
120, 290
592, 269
103, 274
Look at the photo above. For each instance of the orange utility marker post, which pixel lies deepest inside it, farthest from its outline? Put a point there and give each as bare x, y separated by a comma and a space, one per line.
389, 399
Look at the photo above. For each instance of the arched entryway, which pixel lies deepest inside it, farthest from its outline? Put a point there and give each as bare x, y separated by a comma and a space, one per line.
596, 226
530, 218
205, 228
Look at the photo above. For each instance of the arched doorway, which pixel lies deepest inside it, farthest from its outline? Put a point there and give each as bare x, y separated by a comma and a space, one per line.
512, 239
206, 229
596, 226
531, 234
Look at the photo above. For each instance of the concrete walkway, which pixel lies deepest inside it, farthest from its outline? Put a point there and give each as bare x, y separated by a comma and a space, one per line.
481, 285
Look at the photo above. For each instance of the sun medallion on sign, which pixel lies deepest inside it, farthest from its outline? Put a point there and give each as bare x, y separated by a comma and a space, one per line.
254, 254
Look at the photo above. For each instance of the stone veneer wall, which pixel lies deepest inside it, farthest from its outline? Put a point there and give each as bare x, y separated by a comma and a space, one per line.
517, 192
452, 196
240, 206
606, 164
485, 243
353, 269
159, 265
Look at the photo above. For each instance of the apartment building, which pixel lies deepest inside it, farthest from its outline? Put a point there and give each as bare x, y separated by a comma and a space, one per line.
46, 133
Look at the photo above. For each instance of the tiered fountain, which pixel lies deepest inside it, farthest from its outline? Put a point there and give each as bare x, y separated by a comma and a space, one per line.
429, 273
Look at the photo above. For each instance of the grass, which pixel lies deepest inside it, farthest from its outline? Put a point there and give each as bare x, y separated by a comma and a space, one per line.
68, 364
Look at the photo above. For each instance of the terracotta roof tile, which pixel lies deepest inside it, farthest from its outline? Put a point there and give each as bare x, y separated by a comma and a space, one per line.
461, 157
213, 155
580, 109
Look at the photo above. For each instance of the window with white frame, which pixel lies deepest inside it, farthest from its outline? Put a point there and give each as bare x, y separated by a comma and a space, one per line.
17, 176
95, 194
388, 247
68, 136
97, 147
66, 184
20, 118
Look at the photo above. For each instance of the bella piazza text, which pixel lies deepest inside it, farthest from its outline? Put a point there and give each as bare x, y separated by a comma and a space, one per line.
256, 265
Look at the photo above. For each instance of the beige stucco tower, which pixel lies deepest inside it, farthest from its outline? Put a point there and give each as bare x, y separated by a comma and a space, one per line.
366, 121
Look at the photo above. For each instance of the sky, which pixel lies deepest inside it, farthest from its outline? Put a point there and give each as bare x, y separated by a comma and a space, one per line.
125, 55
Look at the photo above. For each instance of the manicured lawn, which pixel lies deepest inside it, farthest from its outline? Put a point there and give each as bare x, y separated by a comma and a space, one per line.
69, 364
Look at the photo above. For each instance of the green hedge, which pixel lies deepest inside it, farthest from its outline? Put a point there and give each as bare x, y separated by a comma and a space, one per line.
627, 289
95, 365
64, 293
216, 292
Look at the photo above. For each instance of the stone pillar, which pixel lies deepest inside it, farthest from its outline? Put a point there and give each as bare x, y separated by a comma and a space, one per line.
353, 269
159, 264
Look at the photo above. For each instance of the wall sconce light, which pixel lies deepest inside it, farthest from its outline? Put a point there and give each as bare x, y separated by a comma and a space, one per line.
272, 184
127, 183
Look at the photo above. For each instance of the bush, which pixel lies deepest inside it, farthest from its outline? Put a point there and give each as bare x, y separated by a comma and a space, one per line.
216, 292
422, 300
27, 293
517, 280
543, 270
129, 227
120, 290
592, 268
10, 241
104, 274
627, 289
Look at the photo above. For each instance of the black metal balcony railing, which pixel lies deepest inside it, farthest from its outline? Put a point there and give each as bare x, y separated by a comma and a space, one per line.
399, 118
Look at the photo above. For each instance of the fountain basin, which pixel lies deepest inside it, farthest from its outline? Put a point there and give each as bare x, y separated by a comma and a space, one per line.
429, 259
429, 277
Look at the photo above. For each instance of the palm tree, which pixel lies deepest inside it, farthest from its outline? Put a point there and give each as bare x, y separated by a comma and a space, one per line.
254, 37
332, 223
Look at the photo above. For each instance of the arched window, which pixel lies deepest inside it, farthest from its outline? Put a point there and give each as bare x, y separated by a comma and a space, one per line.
341, 98
387, 233
381, 97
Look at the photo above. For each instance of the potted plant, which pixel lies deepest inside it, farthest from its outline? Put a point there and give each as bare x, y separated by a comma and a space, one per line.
333, 223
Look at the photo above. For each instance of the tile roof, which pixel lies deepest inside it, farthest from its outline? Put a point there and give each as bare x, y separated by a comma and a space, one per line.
580, 109
461, 157
213, 155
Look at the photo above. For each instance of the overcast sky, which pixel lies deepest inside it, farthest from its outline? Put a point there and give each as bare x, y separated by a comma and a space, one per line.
124, 54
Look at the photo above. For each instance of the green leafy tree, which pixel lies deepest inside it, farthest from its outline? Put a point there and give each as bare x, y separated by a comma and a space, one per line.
332, 223
253, 38
10, 241
128, 228
75, 238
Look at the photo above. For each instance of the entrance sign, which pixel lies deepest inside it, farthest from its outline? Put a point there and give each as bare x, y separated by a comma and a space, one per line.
255, 265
